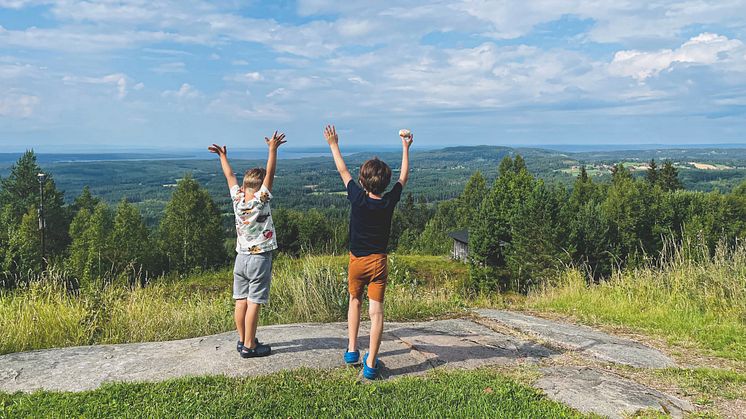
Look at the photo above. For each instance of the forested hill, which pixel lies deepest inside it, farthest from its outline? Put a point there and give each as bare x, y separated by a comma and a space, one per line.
312, 182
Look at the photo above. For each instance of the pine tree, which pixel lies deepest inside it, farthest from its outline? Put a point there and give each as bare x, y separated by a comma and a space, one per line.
191, 232
490, 235
85, 200
652, 173
538, 240
669, 177
20, 191
583, 175
619, 173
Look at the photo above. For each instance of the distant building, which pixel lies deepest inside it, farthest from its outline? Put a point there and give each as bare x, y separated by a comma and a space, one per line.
460, 249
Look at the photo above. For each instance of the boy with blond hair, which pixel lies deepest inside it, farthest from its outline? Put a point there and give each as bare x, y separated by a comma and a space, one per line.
256, 239
370, 229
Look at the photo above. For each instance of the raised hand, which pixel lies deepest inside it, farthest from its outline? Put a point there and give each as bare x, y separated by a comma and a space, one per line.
407, 140
220, 151
276, 141
331, 135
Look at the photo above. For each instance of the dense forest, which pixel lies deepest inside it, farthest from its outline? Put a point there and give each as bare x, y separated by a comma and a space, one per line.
522, 227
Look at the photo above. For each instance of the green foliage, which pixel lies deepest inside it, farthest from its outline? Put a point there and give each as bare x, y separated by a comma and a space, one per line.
539, 231
407, 224
451, 216
301, 393
44, 314
131, 247
309, 231
689, 297
91, 251
652, 174
491, 232
191, 233
23, 254
20, 191
669, 177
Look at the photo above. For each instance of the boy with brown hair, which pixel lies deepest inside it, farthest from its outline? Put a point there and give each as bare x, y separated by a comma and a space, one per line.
255, 241
370, 229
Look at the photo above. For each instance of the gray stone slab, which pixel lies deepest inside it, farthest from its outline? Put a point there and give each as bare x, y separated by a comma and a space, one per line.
592, 391
407, 348
582, 338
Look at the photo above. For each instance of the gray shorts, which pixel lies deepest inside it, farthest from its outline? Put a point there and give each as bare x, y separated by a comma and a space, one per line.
252, 275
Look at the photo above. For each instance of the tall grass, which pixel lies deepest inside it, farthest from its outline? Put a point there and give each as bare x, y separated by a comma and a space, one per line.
687, 296
307, 289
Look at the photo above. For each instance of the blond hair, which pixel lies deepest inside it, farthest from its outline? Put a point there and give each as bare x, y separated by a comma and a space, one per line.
253, 178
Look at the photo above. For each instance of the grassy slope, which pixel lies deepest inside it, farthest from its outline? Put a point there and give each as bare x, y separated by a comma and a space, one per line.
302, 393
691, 304
309, 289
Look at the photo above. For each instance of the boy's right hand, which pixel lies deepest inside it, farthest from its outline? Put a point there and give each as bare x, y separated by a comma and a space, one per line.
276, 141
331, 135
407, 140
220, 151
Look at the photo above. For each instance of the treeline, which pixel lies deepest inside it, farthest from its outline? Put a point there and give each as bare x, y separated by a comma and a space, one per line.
521, 229
89, 240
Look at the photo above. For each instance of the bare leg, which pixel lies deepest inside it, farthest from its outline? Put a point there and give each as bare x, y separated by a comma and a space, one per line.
353, 323
240, 316
252, 319
376, 330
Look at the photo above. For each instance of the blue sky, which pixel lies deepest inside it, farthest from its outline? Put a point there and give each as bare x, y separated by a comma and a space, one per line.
93, 75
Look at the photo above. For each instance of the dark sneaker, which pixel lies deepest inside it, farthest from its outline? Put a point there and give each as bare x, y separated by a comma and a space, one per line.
259, 351
239, 344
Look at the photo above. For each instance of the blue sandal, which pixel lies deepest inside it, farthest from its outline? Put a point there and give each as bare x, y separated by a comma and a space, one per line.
352, 357
368, 372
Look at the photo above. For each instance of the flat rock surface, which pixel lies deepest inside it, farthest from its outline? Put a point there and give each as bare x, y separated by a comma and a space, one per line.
582, 338
592, 391
407, 348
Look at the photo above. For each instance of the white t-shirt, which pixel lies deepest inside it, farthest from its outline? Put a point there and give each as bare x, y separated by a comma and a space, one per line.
254, 228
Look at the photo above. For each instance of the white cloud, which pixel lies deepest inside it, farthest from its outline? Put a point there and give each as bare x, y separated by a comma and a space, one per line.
118, 80
173, 67
250, 77
186, 91
17, 105
706, 48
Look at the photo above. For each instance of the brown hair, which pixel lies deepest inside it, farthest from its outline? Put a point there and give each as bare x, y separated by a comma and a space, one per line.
253, 178
375, 176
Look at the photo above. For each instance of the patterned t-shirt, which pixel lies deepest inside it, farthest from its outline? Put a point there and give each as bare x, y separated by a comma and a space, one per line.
254, 227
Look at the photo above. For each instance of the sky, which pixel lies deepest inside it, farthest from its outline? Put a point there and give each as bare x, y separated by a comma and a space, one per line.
98, 75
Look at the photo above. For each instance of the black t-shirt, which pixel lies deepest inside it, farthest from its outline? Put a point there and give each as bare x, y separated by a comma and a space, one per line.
370, 219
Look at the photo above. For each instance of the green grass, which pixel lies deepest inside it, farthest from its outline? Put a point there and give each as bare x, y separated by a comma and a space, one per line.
691, 300
708, 383
299, 394
307, 289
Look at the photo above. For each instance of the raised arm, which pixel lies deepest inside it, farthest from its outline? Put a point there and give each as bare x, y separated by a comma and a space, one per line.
274, 143
331, 137
222, 152
406, 142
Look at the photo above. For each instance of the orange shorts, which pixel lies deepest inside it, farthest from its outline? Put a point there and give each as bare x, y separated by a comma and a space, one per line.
371, 270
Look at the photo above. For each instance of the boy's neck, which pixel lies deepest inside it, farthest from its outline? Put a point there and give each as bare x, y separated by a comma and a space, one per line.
248, 194
374, 196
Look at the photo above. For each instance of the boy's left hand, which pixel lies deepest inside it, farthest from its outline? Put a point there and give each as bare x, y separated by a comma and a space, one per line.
220, 151
276, 141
